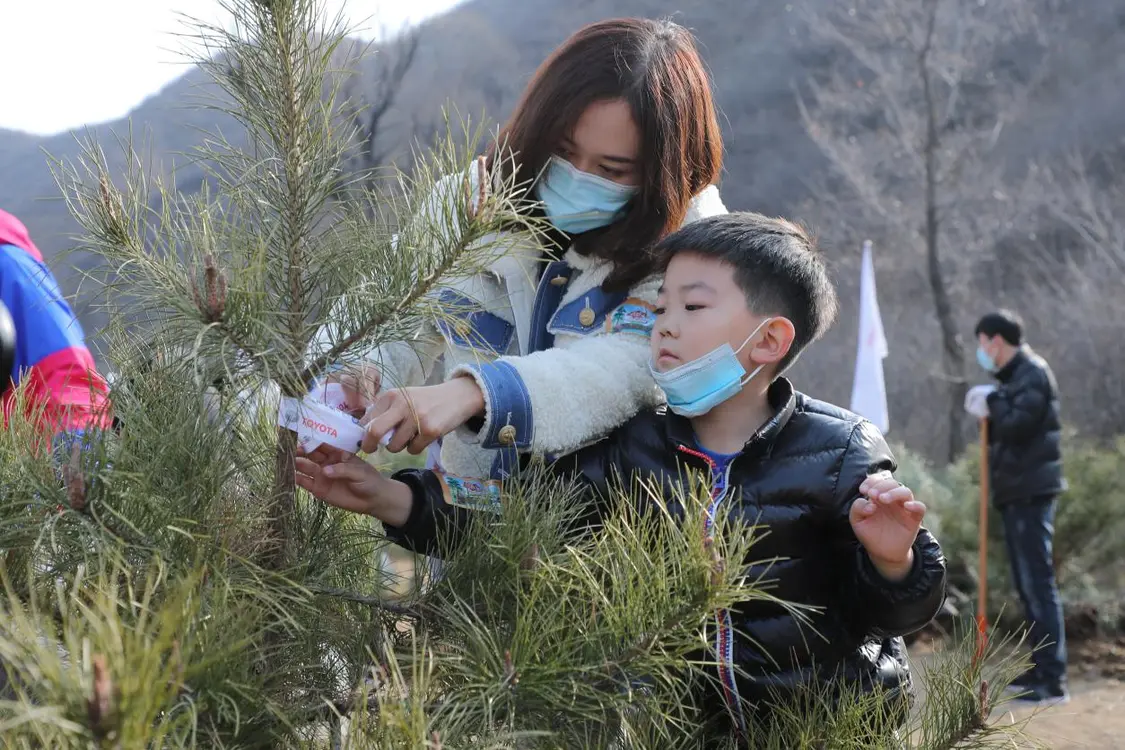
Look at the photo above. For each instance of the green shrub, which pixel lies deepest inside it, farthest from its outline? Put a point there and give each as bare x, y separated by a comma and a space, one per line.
1089, 526
953, 515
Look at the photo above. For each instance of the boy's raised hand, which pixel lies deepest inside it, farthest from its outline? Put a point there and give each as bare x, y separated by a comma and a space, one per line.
348, 482
886, 519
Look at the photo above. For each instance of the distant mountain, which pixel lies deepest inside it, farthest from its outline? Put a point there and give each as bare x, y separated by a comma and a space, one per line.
480, 55
14, 142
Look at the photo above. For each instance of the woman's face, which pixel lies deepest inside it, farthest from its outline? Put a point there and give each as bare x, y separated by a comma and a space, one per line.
606, 142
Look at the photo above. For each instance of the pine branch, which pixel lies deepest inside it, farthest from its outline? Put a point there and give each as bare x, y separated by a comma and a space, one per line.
370, 601
132, 537
962, 691
443, 231
424, 288
531, 637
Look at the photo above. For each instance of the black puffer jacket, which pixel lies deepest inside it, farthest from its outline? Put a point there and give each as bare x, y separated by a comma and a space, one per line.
1025, 432
798, 476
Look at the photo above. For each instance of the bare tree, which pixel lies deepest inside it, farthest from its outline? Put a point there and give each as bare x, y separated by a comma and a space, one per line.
373, 93
910, 114
1089, 203
1068, 285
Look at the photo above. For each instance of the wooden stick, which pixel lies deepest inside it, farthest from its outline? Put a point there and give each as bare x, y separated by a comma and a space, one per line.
982, 565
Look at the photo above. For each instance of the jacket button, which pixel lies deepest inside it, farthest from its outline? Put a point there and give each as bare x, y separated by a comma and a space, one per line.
586, 317
507, 435
559, 281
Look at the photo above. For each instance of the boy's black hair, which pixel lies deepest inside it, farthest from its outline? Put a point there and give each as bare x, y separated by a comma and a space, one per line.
1003, 323
775, 263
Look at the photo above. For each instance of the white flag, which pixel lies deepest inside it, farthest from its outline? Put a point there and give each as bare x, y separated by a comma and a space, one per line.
869, 390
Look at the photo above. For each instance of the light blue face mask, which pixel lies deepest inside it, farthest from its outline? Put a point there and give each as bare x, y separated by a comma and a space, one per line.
985, 360
577, 201
695, 388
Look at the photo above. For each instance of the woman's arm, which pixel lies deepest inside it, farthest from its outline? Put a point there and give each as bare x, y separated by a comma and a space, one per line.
552, 401
558, 400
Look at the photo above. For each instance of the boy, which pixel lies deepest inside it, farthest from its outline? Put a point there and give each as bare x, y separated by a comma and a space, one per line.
743, 295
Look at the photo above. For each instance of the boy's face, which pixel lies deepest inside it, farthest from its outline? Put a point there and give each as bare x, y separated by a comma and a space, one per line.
701, 307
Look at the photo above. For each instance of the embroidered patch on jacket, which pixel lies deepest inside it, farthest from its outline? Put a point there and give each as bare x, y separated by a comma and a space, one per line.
632, 316
471, 493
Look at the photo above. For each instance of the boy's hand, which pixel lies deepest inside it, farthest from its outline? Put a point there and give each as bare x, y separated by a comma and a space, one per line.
347, 481
886, 519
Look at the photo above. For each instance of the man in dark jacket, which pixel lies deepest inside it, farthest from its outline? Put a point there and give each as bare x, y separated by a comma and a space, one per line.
1025, 470
742, 296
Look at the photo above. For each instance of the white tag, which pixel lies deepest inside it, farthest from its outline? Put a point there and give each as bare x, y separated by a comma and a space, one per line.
331, 394
316, 423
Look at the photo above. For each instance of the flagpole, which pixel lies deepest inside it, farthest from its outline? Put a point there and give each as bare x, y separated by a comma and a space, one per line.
982, 544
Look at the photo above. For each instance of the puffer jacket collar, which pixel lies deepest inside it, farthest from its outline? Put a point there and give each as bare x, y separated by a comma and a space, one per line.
782, 398
1005, 373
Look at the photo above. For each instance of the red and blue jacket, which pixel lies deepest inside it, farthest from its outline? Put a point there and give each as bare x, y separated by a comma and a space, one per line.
62, 385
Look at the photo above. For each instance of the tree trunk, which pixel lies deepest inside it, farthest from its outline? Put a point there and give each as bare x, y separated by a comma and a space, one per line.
953, 350
284, 506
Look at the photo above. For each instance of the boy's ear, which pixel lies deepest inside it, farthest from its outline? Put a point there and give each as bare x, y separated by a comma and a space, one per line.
777, 339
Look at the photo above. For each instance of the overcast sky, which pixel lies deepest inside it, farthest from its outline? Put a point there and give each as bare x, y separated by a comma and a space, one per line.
67, 63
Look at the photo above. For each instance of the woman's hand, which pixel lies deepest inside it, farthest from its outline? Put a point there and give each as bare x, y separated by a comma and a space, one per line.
350, 483
419, 416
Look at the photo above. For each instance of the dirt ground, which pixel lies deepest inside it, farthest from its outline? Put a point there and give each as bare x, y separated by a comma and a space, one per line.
1095, 716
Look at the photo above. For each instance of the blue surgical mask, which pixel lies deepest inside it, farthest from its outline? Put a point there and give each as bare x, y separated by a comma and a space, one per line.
577, 201
695, 388
985, 360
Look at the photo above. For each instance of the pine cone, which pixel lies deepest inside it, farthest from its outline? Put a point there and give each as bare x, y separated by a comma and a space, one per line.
114, 212
718, 567
99, 705
531, 560
212, 298
74, 479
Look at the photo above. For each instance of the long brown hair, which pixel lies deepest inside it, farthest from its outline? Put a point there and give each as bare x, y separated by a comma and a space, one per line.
653, 66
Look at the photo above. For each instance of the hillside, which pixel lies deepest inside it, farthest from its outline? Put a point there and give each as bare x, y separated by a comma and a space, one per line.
479, 55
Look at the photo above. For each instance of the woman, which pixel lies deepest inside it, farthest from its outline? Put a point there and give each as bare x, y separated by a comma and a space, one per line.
619, 126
